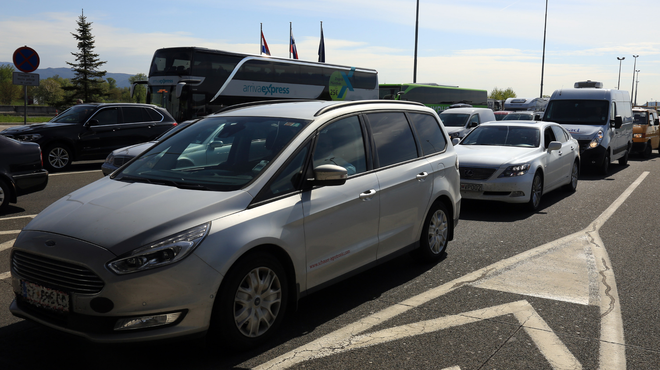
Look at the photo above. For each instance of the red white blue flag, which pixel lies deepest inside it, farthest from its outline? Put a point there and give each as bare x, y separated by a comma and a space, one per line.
294, 50
264, 45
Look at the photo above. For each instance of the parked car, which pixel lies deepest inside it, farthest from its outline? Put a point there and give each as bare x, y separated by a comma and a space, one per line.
123, 155
519, 116
221, 227
459, 121
646, 131
92, 131
517, 161
21, 170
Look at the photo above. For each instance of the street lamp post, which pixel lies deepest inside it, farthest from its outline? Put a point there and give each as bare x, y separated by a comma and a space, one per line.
416, 32
633, 81
619, 83
543, 60
637, 87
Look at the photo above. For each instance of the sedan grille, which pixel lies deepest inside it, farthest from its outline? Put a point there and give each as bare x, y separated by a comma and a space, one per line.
476, 173
56, 274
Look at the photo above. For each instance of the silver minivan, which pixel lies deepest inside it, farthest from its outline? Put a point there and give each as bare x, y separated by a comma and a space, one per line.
224, 225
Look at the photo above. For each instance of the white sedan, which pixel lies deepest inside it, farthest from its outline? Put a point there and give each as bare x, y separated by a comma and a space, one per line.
517, 161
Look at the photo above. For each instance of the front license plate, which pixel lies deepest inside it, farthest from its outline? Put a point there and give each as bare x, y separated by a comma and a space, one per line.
472, 187
48, 298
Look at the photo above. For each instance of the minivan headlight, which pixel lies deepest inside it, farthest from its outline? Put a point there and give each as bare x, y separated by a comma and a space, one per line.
597, 140
161, 253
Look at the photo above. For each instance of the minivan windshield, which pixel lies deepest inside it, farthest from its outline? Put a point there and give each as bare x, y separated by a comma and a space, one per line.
216, 153
579, 112
454, 119
75, 114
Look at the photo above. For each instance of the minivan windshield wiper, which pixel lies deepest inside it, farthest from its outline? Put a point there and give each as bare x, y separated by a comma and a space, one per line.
177, 184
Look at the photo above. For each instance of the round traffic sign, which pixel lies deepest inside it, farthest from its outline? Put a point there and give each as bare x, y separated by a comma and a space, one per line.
26, 59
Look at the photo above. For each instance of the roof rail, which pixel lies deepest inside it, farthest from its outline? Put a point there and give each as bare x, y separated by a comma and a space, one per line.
261, 102
358, 102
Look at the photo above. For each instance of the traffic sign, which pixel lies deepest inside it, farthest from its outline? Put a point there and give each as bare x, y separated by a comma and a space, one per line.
27, 79
26, 59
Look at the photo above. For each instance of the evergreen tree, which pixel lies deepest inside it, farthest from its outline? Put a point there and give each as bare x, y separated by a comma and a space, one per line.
87, 84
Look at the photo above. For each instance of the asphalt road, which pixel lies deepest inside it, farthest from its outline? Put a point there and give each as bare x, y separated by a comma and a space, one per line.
572, 286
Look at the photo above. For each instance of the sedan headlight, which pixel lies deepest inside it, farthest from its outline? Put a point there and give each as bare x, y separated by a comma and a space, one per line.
29, 137
517, 170
597, 140
161, 253
109, 159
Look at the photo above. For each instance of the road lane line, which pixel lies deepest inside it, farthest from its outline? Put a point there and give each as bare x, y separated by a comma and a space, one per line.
5, 275
74, 173
612, 345
9, 232
6, 245
17, 217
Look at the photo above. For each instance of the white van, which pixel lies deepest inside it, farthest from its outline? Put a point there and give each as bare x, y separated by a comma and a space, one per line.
600, 119
459, 121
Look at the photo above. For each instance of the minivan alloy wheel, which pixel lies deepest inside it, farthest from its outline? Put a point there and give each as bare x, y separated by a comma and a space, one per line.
257, 302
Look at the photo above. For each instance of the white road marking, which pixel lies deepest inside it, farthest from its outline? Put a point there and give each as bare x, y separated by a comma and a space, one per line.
10, 232
612, 348
6, 245
17, 217
5, 275
74, 173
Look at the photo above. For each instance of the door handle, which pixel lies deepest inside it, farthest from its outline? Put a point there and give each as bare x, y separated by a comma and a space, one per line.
422, 176
367, 195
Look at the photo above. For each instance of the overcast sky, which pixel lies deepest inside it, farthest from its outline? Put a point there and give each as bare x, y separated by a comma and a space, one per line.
469, 43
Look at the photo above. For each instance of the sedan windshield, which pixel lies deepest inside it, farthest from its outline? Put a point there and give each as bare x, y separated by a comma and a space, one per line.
217, 153
454, 120
528, 137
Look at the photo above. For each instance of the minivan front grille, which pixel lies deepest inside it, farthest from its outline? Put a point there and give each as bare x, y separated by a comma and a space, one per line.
56, 274
476, 173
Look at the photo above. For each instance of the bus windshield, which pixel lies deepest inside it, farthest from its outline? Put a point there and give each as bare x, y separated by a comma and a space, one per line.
579, 112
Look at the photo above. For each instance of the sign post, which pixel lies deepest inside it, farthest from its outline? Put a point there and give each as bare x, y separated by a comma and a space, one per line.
26, 60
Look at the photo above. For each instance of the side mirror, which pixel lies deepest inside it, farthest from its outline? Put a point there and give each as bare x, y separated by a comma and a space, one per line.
657, 121
330, 175
455, 141
537, 117
554, 145
473, 124
617, 123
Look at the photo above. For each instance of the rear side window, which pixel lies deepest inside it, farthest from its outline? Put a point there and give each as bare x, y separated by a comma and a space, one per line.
153, 115
429, 133
393, 138
106, 116
135, 114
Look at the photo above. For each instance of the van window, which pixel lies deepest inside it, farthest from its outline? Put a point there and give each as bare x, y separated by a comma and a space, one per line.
429, 132
393, 137
585, 112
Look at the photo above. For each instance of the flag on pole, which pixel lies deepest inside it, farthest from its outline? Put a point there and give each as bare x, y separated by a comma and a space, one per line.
293, 50
264, 45
322, 47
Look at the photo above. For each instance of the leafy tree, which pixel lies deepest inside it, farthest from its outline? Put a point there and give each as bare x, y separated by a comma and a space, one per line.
88, 79
49, 92
499, 94
8, 91
140, 92
112, 83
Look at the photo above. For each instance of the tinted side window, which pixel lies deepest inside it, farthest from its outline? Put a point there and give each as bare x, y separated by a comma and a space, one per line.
341, 143
548, 136
153, 115
287, 179
106, 116
135, 114
560, 134
393, 138
429, 133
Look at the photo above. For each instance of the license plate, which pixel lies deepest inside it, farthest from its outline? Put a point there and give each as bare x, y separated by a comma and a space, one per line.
48, 298
472, 187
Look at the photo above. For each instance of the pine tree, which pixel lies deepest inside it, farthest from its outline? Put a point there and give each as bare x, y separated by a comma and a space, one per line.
87, 84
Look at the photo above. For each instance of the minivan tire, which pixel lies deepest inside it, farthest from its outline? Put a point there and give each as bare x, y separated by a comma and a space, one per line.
246, 315
57, 157
435, 234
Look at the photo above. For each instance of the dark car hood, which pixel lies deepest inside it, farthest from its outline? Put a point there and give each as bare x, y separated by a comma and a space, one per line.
35, 127
123, 216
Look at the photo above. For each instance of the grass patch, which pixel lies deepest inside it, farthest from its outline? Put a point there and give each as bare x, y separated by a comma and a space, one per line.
21, 119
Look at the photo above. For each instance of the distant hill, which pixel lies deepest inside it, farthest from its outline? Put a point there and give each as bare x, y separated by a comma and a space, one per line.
121, 78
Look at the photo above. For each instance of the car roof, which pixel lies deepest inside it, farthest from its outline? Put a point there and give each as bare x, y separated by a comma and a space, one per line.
525, 123
466, 110
311, 109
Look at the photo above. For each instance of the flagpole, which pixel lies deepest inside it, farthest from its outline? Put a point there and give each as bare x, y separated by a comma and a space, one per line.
261, 42
290, 38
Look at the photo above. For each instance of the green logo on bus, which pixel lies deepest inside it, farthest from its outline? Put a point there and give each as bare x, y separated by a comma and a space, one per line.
340, 83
